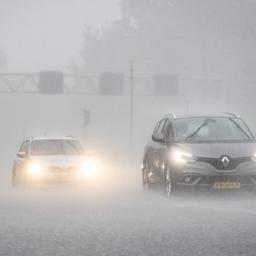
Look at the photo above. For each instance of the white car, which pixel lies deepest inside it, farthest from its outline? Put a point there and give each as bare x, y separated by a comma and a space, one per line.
44, 160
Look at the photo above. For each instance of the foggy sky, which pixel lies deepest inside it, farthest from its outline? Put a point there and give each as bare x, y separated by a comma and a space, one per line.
46, 34
37, 35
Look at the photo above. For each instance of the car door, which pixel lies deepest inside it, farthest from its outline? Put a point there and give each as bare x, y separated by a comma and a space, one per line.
157, 148
164, 149
162, 154
20, 161
149, 150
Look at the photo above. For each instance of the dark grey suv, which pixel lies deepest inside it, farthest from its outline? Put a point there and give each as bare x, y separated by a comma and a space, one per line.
216, 152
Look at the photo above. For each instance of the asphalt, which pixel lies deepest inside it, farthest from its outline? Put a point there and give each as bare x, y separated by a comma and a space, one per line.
125, 221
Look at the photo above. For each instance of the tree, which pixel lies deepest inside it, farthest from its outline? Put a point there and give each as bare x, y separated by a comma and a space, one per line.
176, 36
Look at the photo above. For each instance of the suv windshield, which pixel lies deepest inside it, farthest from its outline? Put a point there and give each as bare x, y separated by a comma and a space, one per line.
203, 129
56, 147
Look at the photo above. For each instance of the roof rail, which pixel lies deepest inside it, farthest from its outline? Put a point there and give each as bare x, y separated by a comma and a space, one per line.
172, 115
232, 114
70, 136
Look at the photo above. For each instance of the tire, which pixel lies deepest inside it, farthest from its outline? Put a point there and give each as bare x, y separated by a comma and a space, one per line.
17, 181
170, 187
145, 179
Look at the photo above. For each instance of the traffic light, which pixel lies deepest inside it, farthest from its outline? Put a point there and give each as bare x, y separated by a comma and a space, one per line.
166, 84
111, 83
51, 82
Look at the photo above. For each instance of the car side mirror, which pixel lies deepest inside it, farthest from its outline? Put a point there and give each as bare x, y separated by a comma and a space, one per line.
21, 154
158, 138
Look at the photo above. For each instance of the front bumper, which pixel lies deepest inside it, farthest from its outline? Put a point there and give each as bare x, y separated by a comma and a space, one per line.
48, 178
61, 177
203, 175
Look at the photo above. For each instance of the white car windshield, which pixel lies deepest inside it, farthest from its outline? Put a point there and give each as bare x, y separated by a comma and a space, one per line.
56, 147
211, 129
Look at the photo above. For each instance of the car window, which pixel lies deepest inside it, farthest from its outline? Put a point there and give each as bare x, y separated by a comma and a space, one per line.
212, 129
156, 128
168, 131
161, 127
27, 147
24, 147
56, 147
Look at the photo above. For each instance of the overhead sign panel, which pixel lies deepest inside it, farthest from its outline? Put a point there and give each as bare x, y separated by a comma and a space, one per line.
51, 82
166, 84
111, 83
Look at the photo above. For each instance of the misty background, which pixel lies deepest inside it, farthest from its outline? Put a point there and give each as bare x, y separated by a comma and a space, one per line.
209, 46
205, 47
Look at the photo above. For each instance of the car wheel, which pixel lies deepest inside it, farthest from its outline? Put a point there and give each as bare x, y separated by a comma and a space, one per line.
169, 182
17, 181
145, 180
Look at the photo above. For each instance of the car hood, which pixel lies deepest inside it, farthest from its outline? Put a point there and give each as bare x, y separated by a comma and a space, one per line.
62, 161
215, 150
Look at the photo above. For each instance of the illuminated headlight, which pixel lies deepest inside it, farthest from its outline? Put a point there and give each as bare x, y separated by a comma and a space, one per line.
254, 157
89, 168
34, 169
182, 157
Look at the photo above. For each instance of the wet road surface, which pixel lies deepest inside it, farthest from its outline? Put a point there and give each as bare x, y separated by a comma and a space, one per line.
60, 221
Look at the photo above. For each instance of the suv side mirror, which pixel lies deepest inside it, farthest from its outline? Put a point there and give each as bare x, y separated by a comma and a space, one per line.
21, 154
158, 138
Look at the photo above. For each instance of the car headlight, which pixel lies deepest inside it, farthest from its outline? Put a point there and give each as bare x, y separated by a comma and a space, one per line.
180, 157
254, 157
89, 168
34, 169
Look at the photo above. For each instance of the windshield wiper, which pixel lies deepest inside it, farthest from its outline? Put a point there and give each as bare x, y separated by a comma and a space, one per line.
198, 129
240, 128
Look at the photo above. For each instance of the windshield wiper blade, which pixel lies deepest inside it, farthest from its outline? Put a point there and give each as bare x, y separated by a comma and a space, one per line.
197, 130
240, 128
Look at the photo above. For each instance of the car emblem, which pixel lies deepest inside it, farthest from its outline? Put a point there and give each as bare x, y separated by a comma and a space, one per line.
225, 161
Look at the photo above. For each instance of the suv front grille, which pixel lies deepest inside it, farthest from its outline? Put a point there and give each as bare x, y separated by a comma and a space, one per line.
217, 164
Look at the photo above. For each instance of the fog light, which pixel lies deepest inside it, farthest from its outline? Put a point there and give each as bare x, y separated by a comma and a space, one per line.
187, 179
